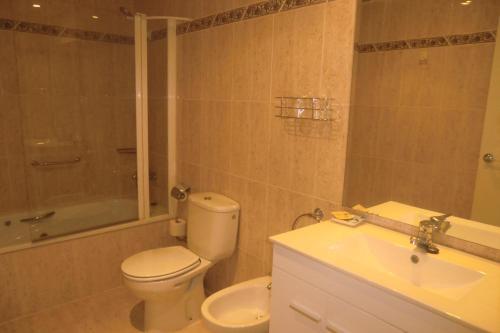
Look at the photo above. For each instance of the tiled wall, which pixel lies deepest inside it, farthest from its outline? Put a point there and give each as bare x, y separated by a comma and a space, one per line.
419, 102
79, 93
228, 138
71, 91
35, 279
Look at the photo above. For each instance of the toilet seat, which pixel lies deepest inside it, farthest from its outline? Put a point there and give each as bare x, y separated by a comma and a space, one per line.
160, 264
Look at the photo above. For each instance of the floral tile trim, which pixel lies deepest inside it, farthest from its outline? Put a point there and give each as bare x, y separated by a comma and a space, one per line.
364, 48
82, 34
473, 38
202, 23
57, 31
39, 28
427, 42
292, 4
183, 28
230, 16
258, 9
6, 24
479, 37
394, 45
117, 39
159, 34
263, 8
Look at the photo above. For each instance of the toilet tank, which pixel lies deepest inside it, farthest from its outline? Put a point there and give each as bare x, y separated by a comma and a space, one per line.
212, 225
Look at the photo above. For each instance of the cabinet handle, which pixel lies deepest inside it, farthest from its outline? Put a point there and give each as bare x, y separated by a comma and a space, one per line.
305, 312
334, 328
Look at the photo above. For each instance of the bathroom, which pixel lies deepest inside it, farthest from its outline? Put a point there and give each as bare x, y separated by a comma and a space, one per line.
106, 106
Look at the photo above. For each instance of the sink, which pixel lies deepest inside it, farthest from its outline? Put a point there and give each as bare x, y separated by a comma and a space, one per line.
408, 265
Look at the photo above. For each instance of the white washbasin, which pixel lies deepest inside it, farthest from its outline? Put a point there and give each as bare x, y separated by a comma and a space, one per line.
438, 276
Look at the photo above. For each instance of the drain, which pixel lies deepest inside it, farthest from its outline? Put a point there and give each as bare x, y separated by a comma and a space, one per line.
414, 259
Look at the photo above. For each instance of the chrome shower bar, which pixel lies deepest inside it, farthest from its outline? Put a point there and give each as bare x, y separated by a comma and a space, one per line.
37, 218
54, 163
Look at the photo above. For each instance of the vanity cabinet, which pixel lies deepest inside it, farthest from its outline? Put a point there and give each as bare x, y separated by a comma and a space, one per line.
308, 297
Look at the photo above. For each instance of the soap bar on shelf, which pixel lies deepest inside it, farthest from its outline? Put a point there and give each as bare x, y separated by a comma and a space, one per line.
342, 215
354, 222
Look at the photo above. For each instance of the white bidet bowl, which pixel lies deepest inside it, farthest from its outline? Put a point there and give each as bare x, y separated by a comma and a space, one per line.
242, 308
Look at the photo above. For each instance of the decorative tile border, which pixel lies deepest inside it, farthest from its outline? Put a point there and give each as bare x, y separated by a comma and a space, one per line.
81, 34
292, 4
183, 28
479, 37
158, 34
37, 28
439, 41
427, 42
6, 24
263, 8
230, 16
255, 10
394, 45
201, 23
117, 39
58, 31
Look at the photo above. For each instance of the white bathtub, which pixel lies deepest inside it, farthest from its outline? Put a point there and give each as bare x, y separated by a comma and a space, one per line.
66, 220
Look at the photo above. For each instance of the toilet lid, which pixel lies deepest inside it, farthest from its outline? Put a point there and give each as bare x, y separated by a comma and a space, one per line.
166, 262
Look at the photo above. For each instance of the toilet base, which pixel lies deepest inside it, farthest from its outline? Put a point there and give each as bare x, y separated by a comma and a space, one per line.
173, 313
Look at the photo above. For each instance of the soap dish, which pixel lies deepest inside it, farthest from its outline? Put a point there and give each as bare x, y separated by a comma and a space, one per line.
354, 222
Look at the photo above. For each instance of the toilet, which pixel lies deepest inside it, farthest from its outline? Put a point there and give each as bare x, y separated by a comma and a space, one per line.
170, 279
241, 308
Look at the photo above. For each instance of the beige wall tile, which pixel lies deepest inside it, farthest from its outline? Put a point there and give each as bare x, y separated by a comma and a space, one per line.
32, 55
278, 169
9, 83
480, 16
338, 50
70, 270
298, 41
220, 63
429, 18
422, 69
252, 54
467, 69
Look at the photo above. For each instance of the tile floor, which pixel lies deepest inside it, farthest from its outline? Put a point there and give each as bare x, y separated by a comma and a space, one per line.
115, 311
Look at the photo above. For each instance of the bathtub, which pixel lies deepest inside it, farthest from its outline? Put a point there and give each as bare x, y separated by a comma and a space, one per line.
66, 220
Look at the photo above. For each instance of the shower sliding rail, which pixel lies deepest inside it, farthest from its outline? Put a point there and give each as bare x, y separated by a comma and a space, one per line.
54, 163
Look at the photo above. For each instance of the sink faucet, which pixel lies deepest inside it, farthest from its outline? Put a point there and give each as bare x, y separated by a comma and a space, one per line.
426, 230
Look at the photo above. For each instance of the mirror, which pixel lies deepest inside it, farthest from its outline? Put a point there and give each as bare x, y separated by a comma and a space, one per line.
426, 113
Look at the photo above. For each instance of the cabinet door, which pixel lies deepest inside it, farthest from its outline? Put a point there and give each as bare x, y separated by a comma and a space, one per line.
296, 307
342, 317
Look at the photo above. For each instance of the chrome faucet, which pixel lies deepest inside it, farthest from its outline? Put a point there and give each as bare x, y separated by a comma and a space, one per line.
424, 238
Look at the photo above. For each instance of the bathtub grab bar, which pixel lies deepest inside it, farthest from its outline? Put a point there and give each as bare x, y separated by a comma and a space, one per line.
44, 164
38, 217
126, 150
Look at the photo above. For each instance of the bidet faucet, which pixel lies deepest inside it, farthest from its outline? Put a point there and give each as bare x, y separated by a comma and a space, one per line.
424, 238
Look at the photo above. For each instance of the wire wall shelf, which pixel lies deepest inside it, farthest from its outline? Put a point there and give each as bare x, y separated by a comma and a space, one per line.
311, 108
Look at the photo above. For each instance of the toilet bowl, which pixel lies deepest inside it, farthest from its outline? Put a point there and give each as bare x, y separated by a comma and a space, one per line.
170, 279
242, 308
